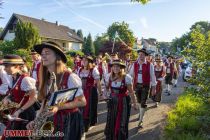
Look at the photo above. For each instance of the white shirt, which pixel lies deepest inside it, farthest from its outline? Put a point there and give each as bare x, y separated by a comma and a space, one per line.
128, 81
34, 71
95, 74
75, 81
27, 83
5, 81
152, 74
159, 69
104, 68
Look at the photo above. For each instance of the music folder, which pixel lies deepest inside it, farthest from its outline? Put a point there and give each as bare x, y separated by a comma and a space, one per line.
62, 96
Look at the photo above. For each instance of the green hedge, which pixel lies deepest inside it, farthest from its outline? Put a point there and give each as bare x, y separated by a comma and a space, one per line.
190, 119
74, 52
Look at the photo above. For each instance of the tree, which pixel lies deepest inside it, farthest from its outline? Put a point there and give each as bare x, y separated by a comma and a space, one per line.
125, 34
79, 33
141, 1
185, 40
26, 36
88, 47
1, 29
99, 42
1, 3
7, 47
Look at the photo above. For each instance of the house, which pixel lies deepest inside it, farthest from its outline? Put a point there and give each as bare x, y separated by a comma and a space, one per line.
48, 31
137, 45
151, 45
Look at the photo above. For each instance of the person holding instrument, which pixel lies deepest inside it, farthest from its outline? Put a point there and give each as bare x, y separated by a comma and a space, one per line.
67, 117
22, 91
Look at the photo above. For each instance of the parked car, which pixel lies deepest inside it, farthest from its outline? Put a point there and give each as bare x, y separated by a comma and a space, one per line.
185, 64
188, 72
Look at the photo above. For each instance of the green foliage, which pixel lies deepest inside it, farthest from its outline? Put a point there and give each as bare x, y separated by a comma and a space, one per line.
123, 31
26, 54
183, 122
185, 40
198, 54
99, 42
134, 55
191, 117
7, 47
79, 33
88, 47
141, 1
72, 53
26, 36
70, 62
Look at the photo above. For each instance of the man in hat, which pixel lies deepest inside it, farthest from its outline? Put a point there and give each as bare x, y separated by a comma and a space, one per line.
170, 70
22, 91
36, 65
143, 75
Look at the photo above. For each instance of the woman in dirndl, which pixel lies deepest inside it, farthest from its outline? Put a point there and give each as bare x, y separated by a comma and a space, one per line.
119, 104
160, 73
91, 86
66, 118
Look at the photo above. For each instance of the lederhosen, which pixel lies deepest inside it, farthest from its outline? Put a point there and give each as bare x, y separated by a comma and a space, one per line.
169, 76
68, 121
142, 89
157, 96
118, 113
18, 96
91, 96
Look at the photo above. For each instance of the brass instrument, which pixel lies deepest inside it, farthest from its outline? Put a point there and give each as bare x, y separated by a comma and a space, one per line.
6, 109
180, 60
40, 122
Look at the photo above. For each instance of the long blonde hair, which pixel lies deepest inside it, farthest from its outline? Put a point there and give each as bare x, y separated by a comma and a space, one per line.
44, 76
121, 74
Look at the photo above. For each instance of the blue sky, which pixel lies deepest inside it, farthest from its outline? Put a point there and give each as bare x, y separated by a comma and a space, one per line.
160, 19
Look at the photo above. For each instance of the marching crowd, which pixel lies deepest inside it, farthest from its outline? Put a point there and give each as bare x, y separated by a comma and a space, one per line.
121, 83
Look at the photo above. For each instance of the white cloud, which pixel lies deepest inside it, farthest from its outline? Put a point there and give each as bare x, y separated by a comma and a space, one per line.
107, 4
67, 5
144, 22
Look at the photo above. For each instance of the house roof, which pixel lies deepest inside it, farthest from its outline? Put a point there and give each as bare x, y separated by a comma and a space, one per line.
47, 29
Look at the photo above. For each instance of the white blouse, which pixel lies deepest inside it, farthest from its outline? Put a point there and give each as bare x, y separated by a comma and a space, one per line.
95, 74
128, 81
27, 83
75, 81
5, 81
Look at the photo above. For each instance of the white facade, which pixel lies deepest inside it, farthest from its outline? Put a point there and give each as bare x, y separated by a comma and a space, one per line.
9, 36
74, 46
